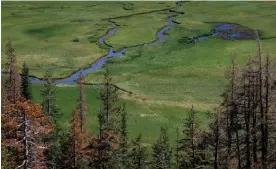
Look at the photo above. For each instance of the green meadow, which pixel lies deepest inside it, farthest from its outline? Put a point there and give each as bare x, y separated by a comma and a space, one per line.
142, 118
166, 79
174, 73
43, 33
137, 29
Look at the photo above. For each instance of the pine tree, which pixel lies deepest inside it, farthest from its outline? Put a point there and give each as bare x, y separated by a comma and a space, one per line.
248, 111
48, 96
270, 113
214, 138
231, 108
162, 152
101, 121
177, 157
25, 124
63, 156
55, 154
205, 152
100, 151
14, 81
190, 155
110, 154
40, 159
3, 95
25, 83
247, 120
233, 118
74, 142
123, 146
82, 105
138, 154
49, 107
110, 110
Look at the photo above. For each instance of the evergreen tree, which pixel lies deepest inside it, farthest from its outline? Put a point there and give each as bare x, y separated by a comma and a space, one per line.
110, 153
205, 153
246, 117
138, 154
189, 152
100, 151
231, 116
177, 157
101, 124
81, 102
13, 83
214, 138
123, 146
74, 142
3, 95
162, 152
48, 96
63, 156
54, 152
110, 110
25, 124
25, 83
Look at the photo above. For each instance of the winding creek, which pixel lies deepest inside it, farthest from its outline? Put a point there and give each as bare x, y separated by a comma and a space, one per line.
114, 54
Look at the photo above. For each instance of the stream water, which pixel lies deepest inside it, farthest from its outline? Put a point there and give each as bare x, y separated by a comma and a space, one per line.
112, 53
160, 38
229, 31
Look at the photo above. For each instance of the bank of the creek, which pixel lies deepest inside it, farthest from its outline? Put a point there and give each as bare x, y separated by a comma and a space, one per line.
224, 30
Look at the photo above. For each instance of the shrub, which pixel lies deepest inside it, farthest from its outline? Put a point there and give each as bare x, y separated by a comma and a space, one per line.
128, 6
76, 40
186, 40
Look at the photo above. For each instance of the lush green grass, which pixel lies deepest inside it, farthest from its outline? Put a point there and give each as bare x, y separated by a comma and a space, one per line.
255, 15
173, 73
42, 32
137, 29
142, 118
188, 75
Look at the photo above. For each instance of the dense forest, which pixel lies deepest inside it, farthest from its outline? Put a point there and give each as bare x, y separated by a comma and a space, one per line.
242, 134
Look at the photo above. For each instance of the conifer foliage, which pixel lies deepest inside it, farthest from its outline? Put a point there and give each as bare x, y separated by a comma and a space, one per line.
109, 116
242, 134
82, 108
25, 83
48, 95
24, 125
100, 151
246, 117
123, 145
74, 142
189, 152
162, 152
13, 93
138, 154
